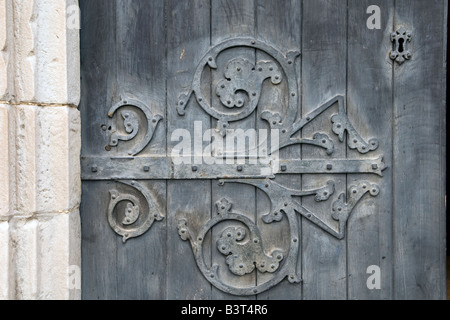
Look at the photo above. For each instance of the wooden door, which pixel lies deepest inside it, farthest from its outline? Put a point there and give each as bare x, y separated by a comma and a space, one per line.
263, 149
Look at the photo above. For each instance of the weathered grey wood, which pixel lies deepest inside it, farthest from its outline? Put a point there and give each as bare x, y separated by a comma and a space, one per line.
323, 76
99, 246
369, 105
279, 23
188, 34
140, 26
232, 18
419, 154
149, 50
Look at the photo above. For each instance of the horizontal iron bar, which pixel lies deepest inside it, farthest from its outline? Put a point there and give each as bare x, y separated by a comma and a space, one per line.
166, 168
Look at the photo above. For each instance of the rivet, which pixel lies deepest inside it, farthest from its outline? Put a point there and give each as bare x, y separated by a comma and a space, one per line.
295, 240
374, 166
283, 168
94, 168
239, 168
146, 168
293, 94
329, 167
194, 168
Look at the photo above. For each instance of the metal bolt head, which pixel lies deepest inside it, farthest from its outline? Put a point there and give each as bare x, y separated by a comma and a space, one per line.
283, 168
239, 168
329, 167
146, 168
94, 168
194, 168
374, 166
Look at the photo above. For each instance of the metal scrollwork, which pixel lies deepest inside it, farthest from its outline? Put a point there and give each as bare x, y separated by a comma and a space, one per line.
241, 242
132, 125
137, 216
240, 91
242, 257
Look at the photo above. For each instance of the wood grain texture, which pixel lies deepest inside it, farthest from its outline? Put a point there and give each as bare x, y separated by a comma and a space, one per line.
232, 18
149, 50
419, 154
188, 33
324, 53
275, 18
369, 105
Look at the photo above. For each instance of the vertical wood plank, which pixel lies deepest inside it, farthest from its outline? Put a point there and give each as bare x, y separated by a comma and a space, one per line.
232, 18
369, 106
98, 54
419, 153
188, 39
99, 246
141, 75
279, 23
323, 77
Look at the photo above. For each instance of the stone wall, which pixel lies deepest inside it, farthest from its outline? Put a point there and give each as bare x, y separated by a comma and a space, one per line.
40, 187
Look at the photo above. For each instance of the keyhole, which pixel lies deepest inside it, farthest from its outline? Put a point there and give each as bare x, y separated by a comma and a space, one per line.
401, 42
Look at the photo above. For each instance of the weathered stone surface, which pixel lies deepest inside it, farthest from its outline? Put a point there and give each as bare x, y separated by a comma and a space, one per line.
58, 143
5, 165
5, 261
4, 54
45, 50
40, 251
40, 186
47, 174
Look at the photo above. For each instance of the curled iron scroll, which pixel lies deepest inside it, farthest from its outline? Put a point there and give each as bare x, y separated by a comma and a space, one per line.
138, 216
132, 125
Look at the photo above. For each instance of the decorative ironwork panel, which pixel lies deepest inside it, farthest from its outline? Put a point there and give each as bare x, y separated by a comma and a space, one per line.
239, 90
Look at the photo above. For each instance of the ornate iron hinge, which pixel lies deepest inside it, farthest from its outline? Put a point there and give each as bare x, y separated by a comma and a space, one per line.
239, 93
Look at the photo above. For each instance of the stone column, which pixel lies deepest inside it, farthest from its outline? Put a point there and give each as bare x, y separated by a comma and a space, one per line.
40, 187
